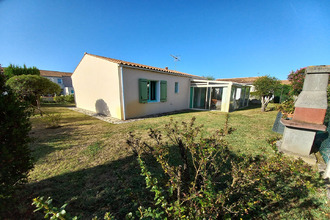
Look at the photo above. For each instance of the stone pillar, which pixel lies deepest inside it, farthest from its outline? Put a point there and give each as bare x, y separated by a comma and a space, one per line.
309, 114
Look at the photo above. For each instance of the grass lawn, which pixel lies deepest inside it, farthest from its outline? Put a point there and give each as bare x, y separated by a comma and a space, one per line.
87, 164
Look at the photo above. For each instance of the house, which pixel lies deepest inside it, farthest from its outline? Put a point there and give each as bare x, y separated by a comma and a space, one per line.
63, 79
127, 90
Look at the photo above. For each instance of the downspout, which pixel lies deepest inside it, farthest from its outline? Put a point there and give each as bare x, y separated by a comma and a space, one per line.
122, 92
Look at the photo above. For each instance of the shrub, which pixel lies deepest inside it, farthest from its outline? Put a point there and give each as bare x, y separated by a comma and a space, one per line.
64, 99
15, 155
69, 98
286, 107
297, 80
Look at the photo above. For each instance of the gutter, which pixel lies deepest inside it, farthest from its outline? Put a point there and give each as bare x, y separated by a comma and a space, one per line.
122, 91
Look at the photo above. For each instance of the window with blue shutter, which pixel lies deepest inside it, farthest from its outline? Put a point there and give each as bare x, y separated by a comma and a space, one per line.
143, 90
163, 91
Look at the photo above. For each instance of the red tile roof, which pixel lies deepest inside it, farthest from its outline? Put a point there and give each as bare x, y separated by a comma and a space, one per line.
54, 73
240, 80
165, 70
250, 80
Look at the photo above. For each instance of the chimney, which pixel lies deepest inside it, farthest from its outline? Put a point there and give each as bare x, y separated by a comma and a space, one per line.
166, 68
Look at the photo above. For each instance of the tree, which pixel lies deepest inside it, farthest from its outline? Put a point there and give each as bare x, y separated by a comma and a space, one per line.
27, 86
265, 88
209, 77
15, 154
15, 70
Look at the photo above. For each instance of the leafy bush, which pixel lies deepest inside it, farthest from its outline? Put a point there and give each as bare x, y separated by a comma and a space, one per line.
202, 179
32, 86
15, 155
64, 99
297, 80
286, 107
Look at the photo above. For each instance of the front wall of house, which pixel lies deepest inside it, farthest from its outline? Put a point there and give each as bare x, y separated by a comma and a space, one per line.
96, 85
175, 101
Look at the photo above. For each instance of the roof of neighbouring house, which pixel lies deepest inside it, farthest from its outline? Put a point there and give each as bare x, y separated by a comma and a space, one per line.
54, 73
165, 70
250, 80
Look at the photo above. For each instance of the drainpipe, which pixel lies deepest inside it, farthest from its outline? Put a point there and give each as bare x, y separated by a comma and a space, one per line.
122, 92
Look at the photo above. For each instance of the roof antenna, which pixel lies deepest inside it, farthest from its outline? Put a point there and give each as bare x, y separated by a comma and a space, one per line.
176, 58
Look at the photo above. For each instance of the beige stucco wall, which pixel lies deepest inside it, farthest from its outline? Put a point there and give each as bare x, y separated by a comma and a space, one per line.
175, 101
97, 87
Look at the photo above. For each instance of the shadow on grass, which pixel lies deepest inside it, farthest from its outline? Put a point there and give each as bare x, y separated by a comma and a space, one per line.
119, 188
43, 142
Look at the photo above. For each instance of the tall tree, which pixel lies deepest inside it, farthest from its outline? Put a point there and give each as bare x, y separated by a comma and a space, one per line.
265, 87
33, 86
15, 70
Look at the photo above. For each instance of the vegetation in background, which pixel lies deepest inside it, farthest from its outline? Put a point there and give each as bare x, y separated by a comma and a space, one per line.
15, 70
64, 99
15, 156
209, 77
283, 93
265, 87
297, 80
32, 87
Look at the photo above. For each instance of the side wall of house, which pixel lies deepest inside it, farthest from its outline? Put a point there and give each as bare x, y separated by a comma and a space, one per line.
96, 85
175, 101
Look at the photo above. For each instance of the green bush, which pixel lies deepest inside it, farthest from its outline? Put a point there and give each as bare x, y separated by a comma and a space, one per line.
15, 157
64, 99
69, 98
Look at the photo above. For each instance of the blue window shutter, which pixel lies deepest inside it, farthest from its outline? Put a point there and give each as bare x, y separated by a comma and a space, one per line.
143, 91
163, 91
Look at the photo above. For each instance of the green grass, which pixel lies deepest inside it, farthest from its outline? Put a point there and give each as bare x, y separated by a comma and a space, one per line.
87, 163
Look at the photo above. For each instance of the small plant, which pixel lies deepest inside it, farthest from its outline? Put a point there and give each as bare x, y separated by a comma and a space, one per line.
286, 107
54, 213
52, 120
50, 211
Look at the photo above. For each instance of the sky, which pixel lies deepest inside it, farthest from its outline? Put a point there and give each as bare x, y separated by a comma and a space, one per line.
219, 38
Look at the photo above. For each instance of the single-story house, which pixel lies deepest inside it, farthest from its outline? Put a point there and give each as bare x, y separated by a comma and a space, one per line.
63, 79
127, 90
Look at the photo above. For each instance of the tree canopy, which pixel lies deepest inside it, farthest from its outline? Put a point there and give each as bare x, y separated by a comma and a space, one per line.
265, 87
15, 70
27, 86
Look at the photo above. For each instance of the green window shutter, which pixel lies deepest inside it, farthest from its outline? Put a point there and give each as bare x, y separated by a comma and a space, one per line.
143, 91
163, 91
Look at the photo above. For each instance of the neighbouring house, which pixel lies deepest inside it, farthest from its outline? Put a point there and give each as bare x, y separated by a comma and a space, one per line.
248, 81
63, 79
127, 90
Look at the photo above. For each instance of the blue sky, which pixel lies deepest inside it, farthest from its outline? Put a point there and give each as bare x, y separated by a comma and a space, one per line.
223, 39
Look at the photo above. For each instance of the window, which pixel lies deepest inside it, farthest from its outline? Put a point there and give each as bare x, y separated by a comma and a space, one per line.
176, 87
72, 91
152, 91
59, 81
